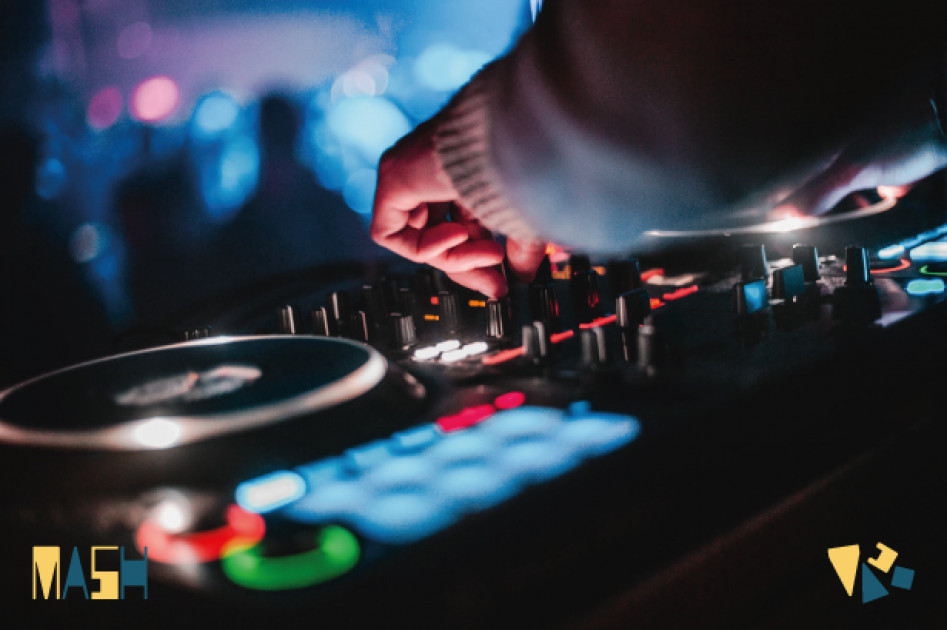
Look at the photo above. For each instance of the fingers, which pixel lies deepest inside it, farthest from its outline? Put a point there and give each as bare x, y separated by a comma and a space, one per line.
525, 258
486, 280
413, 198
469, 255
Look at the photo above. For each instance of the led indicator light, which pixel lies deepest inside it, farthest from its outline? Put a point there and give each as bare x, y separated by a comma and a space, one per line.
891, 252
447, 346
426, 354
679, 293
336, 552
473, 349
270, 492
242, 528
927, 271
510, 400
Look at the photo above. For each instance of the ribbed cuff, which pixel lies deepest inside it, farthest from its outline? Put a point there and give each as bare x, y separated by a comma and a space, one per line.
462, 141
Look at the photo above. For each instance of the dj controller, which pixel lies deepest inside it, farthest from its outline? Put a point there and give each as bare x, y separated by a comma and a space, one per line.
669, 441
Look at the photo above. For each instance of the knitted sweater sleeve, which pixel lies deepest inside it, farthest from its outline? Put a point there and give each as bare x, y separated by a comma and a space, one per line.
610, 120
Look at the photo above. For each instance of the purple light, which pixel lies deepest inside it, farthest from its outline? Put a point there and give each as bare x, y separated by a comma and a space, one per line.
134, 40
105, 107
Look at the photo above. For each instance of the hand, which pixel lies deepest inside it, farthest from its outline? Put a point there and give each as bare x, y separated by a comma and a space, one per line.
418, 214
891, 159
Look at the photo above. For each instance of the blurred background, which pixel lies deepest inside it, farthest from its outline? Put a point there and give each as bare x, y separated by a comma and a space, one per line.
154, 153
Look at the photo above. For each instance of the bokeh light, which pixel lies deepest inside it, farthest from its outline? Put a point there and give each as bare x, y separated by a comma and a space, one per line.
444, 67
215, 113
367, 126
154, 99
88, 242
359, 191
134, 40
105, 107
50, 178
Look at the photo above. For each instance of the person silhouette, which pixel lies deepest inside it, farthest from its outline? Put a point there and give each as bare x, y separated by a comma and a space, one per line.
290, 222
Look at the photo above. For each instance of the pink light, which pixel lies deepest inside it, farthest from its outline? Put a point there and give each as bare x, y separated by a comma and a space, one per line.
510, 400
154, 99
650, 273
466, 418
503, 356
245, 528
679, 293
105, 107
562, 336
599, 322
893, 192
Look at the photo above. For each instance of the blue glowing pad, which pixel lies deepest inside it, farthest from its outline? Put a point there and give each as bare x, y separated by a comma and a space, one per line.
936, 251
475, 487
331, 501
420, 481
415, 439
522, 423
463, 447
537, 460
403, 518
322, 471
925, 287
368, 455
401, 473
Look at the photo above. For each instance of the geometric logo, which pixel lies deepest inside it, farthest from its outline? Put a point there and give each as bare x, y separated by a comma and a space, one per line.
845, 561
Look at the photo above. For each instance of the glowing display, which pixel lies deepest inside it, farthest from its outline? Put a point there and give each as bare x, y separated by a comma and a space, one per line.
268, 493
336, 552
925, 287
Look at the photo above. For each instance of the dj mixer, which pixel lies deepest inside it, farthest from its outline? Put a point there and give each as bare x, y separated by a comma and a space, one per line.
670, 441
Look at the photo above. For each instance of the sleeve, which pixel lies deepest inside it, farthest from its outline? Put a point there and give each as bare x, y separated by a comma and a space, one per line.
614, 120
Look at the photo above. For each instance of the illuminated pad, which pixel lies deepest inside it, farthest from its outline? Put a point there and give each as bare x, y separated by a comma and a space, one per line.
420, 481
935, 251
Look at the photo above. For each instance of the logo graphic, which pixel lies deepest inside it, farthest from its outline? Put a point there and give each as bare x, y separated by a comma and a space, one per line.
845, 561
112, 584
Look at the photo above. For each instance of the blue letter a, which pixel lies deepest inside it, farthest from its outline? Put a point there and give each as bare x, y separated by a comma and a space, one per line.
75, 577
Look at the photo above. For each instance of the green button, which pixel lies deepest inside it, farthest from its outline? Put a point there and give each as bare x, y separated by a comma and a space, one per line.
336, 552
